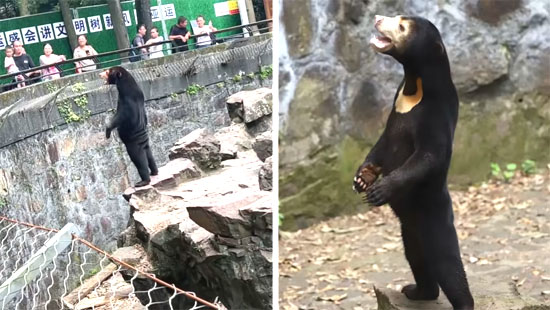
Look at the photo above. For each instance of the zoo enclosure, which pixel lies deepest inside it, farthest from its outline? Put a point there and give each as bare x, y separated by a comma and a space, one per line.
57, 257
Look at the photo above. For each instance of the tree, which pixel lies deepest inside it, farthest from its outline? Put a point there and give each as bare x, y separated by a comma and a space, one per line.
8, 9
143, 11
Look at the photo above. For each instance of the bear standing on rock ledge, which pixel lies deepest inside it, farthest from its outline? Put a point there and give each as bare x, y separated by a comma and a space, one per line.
413, 155
131, 122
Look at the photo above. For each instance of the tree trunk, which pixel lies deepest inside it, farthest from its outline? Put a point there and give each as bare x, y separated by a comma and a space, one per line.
68, 21
143, 11
23, 7
121, 33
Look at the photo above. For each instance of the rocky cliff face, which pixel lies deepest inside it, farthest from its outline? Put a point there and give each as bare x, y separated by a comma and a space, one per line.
205, 221
336, 92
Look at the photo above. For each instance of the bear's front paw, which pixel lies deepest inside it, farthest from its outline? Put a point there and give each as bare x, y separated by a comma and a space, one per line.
107, 133
365, 177
379, 193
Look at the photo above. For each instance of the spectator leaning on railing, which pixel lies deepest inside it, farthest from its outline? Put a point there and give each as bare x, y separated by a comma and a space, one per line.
24, 62
204, 41
83, 50
49, 58
179, 35
138, 53
155, 51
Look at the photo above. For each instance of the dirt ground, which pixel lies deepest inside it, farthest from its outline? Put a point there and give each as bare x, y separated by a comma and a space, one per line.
504, 234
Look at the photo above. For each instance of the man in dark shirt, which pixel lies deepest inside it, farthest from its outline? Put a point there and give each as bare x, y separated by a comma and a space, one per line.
139, 53
24, 62
179, 35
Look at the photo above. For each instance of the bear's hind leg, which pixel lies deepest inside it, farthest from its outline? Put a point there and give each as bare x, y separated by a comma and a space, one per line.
138, 155
426, 287
450, 270
151, 161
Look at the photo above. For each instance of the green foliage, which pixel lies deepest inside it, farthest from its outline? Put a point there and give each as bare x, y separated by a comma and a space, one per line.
237, 78
3, 202
52, 87
281, 218
528, 167
220, 84
251, 75
194, 89
174, 96
505, 174
65, 106
495, 170
266, 72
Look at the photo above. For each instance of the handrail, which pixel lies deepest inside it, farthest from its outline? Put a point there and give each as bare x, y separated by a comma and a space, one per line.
73, 60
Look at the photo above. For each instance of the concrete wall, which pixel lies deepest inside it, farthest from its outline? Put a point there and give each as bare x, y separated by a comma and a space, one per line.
52, 173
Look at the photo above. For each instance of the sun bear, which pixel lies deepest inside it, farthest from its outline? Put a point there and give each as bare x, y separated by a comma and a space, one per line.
413, 156
131, 122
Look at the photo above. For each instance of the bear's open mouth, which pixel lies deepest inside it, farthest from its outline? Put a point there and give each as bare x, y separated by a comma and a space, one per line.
381, 43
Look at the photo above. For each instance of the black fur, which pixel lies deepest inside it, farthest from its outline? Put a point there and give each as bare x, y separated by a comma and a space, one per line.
414, 153
131, 122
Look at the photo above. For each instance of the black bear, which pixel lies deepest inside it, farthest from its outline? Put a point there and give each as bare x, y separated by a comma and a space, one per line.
131, 122
413, 155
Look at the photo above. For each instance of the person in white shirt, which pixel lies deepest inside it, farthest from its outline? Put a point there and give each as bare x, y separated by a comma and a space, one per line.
155, 51
204, 41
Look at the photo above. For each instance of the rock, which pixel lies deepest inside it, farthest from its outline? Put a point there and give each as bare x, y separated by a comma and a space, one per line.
265, 176
225, 219
263, 146
299, 26
530, 68
250, 105
200, 147
393, 300
213, 233
233, 139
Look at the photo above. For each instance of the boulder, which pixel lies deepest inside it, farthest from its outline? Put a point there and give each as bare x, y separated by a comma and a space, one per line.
265, 176
200, 147
263, 145
250, 106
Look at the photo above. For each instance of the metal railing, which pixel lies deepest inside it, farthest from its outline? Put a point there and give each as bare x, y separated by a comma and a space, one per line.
123, 57
35, 259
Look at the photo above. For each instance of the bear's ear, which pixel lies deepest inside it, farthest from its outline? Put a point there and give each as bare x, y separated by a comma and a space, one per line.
440, 47
118, 74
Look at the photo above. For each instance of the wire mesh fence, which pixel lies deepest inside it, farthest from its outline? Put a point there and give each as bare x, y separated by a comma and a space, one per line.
43, 268
28, 77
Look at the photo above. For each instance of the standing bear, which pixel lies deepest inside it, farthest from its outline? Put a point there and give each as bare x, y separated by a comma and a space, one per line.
131, 122
413, 155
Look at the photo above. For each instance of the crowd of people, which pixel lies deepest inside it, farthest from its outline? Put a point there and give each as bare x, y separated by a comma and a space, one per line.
17, 60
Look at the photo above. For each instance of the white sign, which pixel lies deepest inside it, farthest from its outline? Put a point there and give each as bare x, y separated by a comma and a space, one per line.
94, 22
3, 42
126, 17
59, 30
169, 11
221, 8
45, 32
108, 21
80, 26
155, 13
13, 35
30, 35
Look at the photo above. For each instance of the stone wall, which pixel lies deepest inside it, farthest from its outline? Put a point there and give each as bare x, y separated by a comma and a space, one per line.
336, 93
52, 173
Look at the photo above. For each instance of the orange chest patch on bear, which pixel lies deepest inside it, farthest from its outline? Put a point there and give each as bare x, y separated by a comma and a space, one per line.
405, 103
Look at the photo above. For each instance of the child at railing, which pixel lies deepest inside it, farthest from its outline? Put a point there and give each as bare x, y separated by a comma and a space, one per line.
9, 64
